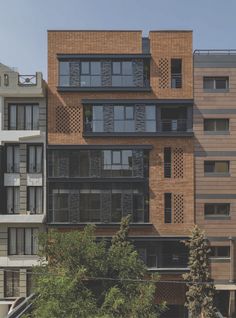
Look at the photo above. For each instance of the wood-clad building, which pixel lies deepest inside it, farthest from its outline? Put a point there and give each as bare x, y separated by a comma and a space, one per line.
215, 162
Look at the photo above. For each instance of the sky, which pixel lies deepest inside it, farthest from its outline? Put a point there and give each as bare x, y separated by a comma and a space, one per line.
24, 23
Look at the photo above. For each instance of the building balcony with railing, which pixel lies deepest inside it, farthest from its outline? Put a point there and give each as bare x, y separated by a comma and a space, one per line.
136, 118
13, 84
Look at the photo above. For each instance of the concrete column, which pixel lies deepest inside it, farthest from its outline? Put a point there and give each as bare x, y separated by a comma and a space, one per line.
23, 287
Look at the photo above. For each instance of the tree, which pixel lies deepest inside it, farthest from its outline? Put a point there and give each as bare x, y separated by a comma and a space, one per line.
201, 291
71, 282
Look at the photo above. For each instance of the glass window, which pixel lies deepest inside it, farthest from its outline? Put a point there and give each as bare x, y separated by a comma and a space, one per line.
127, 68
129, 112
119, 112
95, 68
13, 200
220, 251
24, 117
85, 80
12, 283
117, 80
150, 113
35, 156
217, 209
216, 124
35, 198
85, 68
214, 83
216, 166
13, 159
116, 67
64, 68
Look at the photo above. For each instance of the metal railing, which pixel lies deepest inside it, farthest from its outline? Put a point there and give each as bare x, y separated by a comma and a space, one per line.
23, 308
27, 80
176, 80
173, 124
213, 52
167, 170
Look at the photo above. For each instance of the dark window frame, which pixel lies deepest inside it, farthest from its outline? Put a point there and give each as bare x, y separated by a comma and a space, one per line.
22, 245
214, 120
176, 77
214, 81
14, 170
216, 252
215, 207
35, 146
168, 206
216, 173
167, 162
22, 105
35, 189
13, 275
13, 209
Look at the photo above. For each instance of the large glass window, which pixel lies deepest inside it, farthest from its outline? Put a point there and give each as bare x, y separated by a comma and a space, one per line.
35, 200
35, 158
90, 74
220, 251
176, 73
23, 241
13, 200
98, 163
98, 203
13, 159
23, 117
12, 283
122, 74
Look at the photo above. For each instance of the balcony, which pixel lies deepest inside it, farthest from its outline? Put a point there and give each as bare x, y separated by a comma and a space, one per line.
174, 125
14, 84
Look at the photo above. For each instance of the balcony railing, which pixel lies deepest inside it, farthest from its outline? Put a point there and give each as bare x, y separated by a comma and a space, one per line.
27, 80
176, 80
167, 260
167, 170
174, 125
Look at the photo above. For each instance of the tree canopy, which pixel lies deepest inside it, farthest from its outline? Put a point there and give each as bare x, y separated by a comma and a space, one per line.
80, 277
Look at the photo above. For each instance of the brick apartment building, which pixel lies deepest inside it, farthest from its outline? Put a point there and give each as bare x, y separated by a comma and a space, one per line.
22, 180
120, 141
135, 125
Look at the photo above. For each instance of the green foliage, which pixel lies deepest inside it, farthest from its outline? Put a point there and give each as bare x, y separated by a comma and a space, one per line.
201, 291
69, 284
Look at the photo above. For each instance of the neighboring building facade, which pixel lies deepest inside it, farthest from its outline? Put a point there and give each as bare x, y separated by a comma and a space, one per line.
215, 174
22, 179
120, 142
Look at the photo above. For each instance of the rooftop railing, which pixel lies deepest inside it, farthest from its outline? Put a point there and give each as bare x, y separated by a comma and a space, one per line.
214, 52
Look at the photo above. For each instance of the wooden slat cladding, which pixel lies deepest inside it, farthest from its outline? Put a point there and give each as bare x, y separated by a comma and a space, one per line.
219, 147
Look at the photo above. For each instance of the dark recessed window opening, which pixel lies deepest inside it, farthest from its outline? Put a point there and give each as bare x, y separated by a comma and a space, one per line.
35, 159
23, 117
13, 159
13, 200
216, 83
22, 241
217, 167
217, 209
167, 162
35, 200
168, 207
216, 124
176, 73
12, 283
220, 251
